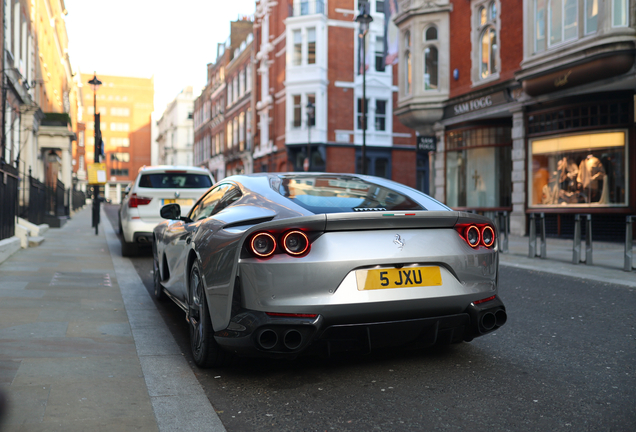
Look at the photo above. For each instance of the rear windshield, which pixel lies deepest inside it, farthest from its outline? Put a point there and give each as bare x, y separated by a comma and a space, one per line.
327, 194
175, 181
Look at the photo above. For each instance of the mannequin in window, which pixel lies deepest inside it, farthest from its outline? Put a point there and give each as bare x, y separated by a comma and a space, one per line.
591, 176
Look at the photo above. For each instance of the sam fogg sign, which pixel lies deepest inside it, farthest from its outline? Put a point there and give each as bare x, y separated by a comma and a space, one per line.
475, 104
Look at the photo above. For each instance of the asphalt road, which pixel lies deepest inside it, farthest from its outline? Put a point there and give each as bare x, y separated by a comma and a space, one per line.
564, 361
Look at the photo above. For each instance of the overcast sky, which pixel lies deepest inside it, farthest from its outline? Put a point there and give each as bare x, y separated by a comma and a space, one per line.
170, 40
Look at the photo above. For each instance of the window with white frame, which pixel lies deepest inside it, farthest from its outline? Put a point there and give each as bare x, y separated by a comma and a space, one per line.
235, 131
119, 127
563, 21
228, 134
408, 72
297, 115
241, 128
236, 88
241, 82
311, 45
380, 115
379, 54
297, 54
248, 78
431, 55
229, 93
487, 42
361, 114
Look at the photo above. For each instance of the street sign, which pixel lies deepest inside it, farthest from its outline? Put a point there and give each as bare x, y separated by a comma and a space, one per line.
426, 144
97, 174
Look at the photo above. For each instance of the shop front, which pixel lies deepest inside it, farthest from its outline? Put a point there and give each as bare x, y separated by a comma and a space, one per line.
581, 160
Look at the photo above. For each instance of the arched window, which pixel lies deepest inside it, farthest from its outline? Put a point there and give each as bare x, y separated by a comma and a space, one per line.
408, 70
488, 52
431, 34
487, 43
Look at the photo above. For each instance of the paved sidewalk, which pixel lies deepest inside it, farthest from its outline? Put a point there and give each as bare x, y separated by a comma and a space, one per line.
608, 260
82, 346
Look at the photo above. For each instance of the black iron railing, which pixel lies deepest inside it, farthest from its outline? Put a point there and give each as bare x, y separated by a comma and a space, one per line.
8, 200
79, 199
37, 201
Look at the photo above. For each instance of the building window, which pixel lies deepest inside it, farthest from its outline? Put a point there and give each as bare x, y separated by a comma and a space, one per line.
620, 10
563, 19
378, 163
123, 172
235, 131
379, 54
248, 78
236, 88
380, 115
241, 83
379, 6
311, 98
297, 122
297, 54
591, 16
407, 64
120, 142
488, 56
478, 167
119, 157
362, 107
311, 45
241, 128
118, 127
229, 93
120, 112
431, 66
229, 135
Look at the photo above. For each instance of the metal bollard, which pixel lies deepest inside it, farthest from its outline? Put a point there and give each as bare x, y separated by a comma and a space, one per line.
532, 237
502, 222
576, 246
629, 243
532, 250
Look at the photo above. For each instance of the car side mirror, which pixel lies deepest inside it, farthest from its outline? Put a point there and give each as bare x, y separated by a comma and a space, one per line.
171, 211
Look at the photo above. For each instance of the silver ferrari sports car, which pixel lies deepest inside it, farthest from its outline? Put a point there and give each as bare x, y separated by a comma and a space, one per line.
283, 264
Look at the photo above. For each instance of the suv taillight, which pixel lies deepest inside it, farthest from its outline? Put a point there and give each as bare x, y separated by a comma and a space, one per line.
136, 201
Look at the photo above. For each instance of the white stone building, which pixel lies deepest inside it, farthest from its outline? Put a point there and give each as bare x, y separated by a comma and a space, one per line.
175, 131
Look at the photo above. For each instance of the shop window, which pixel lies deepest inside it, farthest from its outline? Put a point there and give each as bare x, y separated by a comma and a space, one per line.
620, 10
579, 170
378, 163
478, 168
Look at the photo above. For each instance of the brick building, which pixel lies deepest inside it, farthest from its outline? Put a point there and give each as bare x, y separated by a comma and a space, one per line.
223, 119
125, 105
530, 104
308, 57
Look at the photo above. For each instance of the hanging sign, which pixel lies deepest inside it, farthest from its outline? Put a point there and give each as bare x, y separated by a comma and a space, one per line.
426, 144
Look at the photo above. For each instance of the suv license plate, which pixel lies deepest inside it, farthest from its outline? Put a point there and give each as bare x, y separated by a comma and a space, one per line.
181, 201
404, 277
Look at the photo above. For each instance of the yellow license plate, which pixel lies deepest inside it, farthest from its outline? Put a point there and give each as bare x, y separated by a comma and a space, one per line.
405, 277
182, 201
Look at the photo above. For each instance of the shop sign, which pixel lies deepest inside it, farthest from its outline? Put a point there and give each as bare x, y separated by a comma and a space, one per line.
476, 104
426, 144
594, 70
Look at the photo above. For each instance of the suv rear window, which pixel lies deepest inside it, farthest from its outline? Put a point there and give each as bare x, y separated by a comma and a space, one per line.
175, 181
335, 194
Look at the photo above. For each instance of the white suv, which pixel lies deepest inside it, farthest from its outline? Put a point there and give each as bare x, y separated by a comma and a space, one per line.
152, 189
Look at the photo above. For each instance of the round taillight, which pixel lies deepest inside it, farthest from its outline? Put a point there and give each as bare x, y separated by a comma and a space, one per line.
295, 242
472, 236
487, 236
263, 244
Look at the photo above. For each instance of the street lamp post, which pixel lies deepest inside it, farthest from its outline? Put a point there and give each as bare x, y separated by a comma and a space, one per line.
364, 19
95, 83
310, 116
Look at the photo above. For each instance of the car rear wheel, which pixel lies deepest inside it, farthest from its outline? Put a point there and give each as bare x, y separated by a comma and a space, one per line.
205, 350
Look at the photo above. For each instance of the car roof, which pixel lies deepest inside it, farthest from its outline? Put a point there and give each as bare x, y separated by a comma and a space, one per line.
165, 168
